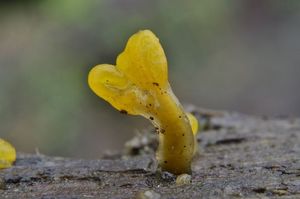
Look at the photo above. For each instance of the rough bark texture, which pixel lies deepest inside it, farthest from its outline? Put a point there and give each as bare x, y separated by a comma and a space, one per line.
240, 156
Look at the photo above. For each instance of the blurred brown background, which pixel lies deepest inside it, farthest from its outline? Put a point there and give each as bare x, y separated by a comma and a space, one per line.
240, 55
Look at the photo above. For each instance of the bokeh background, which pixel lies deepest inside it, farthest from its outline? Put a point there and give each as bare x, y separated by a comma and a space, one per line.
239, 55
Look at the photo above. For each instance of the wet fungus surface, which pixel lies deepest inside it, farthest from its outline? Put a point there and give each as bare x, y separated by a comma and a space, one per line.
138, 85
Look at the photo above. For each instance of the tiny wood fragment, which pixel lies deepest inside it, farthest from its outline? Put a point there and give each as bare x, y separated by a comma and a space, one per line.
240, 157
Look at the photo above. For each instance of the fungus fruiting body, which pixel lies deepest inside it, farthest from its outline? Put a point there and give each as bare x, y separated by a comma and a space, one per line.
7, 154
138, 85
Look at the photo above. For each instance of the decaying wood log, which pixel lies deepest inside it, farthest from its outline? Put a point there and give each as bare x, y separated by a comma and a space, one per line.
240, 156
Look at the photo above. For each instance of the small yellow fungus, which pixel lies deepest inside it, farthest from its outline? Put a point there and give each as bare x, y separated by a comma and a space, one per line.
7, 154
183, 179
138, 85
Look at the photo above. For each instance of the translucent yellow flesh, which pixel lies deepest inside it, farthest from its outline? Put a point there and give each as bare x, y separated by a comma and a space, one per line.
193, 122
7, 154
138, 85
194, 125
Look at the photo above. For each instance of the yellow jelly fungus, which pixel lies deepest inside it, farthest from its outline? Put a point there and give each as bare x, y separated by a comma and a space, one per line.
7, 154
138, 85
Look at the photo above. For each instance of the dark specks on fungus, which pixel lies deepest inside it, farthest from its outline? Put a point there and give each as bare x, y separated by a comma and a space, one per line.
151, 118
155, 83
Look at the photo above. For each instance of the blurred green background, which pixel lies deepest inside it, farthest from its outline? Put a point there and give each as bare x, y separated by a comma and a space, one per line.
240, 55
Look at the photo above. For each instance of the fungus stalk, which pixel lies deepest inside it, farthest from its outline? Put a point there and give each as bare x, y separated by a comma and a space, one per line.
138, 85
176, 139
